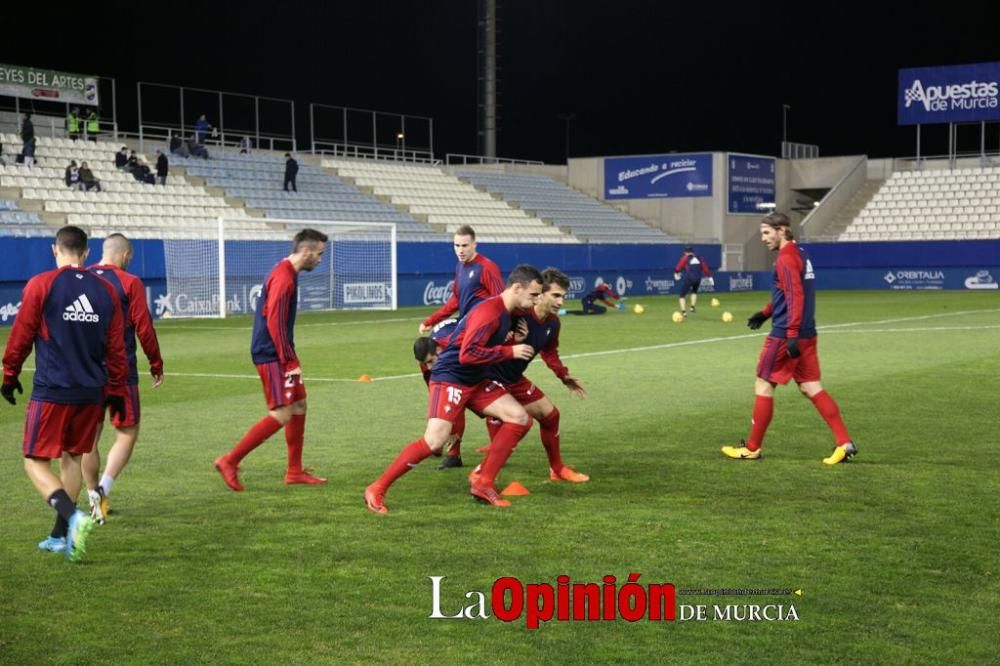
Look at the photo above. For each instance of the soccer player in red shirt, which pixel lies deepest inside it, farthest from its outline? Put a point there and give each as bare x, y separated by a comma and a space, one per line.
117, 253
690, 269
273, 351
476, 278
790, 350
458, 382
74, 321
540, 328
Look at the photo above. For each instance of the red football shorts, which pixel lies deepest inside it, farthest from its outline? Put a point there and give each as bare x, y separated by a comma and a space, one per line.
777, 367
131, 417
524, 391
280, 390
51, 428
448, 401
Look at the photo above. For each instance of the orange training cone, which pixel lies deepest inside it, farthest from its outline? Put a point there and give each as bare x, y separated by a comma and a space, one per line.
365, 378
514, 489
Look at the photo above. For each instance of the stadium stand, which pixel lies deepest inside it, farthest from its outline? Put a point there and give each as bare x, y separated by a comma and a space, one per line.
931, 205
258, 179
15, 222
144, 210
586, 217
447, 202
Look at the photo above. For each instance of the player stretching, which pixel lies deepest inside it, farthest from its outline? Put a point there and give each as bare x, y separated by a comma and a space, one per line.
73, 319
273, 352
117, 254
689, 270
476, 278
543, 336
602, 293
458, 381
790, 350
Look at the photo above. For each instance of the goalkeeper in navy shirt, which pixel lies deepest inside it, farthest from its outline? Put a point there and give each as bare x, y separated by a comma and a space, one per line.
602, 293
74, 321
790, 350
690, 270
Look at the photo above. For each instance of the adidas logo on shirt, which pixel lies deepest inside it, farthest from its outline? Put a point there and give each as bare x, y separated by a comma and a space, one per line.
81, 310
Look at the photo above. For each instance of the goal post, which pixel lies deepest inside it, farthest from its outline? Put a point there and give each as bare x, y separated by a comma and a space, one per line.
220, 269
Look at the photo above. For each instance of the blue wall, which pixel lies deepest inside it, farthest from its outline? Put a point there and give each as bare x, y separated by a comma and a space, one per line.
426, 269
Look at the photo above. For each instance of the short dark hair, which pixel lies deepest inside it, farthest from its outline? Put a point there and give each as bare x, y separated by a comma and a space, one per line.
308, 236
688, 248
551, 276
423, 346
777, 221
466, 230
524, 274
72, 239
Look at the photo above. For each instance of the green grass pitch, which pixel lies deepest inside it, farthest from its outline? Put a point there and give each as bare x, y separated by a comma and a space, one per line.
895, 553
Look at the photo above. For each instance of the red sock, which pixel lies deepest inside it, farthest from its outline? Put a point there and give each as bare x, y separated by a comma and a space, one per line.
295, 431
500, 449
408, 458
255, 436
457, 428
550, 438
493, 427
827, 408
763, 410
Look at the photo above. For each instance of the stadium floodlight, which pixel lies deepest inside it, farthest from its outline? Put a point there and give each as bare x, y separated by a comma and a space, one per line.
215, 272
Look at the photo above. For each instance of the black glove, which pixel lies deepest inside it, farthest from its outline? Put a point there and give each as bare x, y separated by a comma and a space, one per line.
11, 384
757, 320
792, 344
115, 405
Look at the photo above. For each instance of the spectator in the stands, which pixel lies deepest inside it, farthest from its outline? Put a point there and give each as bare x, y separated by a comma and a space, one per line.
142, 173
162, 167
87, 177
27, 128
73, 124
197, 149
72, 176
201, 129
179, 147
121, 158
246, 145
28, 151
291, 170
93, 125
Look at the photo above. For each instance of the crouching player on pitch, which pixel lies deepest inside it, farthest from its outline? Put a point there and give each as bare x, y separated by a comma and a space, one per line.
117, 253
542, 334
790, 349
74, 321
458, 380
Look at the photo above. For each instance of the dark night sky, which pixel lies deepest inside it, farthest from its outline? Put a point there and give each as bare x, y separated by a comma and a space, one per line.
640, 77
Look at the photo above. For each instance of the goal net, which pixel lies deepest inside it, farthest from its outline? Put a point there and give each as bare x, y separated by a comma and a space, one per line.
215, 272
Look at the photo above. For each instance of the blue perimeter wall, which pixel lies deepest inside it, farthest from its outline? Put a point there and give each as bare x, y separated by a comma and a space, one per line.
425, 269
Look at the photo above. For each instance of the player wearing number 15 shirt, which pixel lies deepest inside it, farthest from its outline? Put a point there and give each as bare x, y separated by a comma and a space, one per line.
458, 381
273, 351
